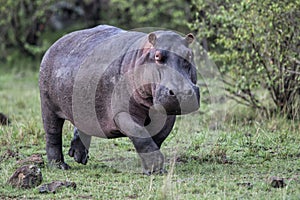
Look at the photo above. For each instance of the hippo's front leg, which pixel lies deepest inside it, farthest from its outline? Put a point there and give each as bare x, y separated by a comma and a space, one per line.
152, 158
148, 150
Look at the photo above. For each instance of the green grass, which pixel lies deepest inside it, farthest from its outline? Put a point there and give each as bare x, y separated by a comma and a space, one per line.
232, 162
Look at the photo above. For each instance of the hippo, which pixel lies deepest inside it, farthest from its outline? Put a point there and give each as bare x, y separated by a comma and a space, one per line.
110, 83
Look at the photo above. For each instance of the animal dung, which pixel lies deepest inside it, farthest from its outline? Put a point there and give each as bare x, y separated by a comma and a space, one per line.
277, 182
53, 186
4, 119
34, 159
26, 177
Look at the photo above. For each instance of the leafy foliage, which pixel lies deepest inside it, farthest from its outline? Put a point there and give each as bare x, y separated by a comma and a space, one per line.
24, 22
21, 25
158, 13
256, 46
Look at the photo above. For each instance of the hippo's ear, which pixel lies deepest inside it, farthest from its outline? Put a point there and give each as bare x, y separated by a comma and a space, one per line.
189, 38
152, 38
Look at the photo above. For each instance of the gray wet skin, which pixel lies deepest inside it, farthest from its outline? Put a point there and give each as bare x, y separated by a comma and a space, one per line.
113, 83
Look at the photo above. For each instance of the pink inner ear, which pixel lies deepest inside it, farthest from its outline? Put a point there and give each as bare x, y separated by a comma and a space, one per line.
152, 38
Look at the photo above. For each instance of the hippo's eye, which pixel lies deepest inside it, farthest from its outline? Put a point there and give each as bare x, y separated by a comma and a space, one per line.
187, 64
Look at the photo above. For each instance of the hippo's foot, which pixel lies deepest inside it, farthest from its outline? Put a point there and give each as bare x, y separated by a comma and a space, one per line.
55, 156
78, 150
153, 163
59, 165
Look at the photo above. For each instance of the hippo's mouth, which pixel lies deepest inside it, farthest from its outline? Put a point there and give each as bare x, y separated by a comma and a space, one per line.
176, 110
168, 105
169, 102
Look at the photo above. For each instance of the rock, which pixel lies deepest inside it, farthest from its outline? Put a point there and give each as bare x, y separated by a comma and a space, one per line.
34, 159
27, 176
53, 186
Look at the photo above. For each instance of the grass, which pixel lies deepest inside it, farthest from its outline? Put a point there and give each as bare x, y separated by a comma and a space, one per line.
234, 161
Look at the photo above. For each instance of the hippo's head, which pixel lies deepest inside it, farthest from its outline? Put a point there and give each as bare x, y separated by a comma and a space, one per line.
172, 73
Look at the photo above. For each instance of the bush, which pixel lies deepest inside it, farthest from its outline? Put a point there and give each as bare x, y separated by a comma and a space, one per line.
159, 13
23, 22
21, 25
256, 45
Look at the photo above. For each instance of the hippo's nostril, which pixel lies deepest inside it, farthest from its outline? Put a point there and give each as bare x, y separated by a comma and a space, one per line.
171, 93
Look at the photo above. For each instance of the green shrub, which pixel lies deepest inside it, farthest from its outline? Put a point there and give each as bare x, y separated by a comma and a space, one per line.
256, 45
21, 24
158, 13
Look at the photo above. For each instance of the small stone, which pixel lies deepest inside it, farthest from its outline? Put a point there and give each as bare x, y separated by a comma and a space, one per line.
27, 176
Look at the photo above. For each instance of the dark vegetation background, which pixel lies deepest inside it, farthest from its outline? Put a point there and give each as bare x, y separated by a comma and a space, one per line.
254, 44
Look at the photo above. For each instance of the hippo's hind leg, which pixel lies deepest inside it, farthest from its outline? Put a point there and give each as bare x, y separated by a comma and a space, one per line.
53, 126
79, 146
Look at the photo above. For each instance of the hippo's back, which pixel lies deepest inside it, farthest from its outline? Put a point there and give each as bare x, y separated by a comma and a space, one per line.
74, 47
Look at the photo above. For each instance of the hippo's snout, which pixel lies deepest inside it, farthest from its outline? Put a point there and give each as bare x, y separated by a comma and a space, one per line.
189, 100
178, 102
